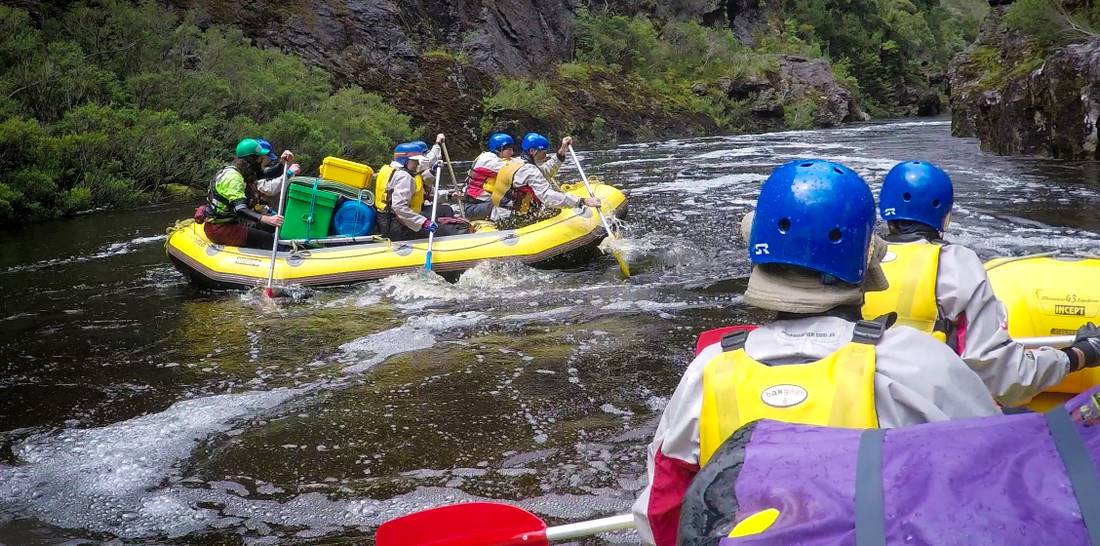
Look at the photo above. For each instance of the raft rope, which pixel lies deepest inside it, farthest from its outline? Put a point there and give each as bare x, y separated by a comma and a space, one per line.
312, 205
180, 224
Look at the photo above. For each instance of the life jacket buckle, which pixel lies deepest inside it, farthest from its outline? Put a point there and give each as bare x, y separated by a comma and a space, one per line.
869, 332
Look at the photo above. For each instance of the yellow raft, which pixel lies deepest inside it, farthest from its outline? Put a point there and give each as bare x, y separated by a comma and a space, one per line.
1050, 295
562, 239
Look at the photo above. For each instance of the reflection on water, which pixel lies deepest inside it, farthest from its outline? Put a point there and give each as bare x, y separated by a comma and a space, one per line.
135, 406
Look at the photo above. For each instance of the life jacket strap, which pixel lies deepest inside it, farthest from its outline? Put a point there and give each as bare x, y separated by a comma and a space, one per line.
734, 340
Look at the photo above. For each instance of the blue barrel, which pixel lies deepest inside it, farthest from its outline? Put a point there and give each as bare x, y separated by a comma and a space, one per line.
353, 219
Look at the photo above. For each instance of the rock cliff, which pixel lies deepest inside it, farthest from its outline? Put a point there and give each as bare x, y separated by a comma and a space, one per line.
438, 60
1018, 99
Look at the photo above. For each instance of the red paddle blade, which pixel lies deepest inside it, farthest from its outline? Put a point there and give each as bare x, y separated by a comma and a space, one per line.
469, 524
269, 293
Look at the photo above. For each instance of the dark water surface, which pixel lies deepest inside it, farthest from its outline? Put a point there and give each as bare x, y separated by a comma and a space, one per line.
135, 408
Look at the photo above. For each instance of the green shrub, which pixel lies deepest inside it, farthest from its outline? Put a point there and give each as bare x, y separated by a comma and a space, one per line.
1051, 23
575, 71
531, 96
800, 114
616, 41
110, 100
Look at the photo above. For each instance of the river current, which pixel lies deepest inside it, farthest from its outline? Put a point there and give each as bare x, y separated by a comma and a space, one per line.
137, 409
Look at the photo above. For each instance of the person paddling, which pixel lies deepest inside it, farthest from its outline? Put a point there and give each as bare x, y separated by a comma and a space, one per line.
400, 195
231, 198
814, 256
477, 198
942, 289
523, 185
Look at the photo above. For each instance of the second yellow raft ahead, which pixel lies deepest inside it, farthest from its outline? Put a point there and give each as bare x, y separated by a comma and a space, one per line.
561, 239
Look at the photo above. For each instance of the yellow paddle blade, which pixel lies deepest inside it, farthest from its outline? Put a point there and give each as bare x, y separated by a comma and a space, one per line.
755, 524
623, 267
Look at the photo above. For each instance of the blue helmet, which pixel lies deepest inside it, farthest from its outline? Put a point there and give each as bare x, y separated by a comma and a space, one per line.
265, 147
814, 214
402, 152
421, 146
917, 191
535, 141
499, 141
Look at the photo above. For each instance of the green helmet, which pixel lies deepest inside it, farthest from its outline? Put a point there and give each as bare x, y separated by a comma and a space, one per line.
249, 147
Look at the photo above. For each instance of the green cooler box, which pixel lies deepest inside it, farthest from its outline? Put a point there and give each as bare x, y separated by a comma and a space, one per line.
308, 212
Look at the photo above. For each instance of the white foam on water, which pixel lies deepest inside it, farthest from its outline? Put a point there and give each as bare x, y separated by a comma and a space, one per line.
416, 334
889, 126
106, 251
646, 306
557, 313
105, 479
685, 184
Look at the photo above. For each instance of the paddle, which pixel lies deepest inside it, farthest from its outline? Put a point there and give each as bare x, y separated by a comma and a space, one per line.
1049, 341
431, 234
486, 524
454, 179
268, 292
623, 267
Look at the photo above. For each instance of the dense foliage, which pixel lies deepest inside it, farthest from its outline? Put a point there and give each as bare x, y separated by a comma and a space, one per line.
886, 44
108, 102
877, 47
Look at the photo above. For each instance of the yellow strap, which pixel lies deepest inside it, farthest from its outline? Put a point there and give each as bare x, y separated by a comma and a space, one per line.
837, 391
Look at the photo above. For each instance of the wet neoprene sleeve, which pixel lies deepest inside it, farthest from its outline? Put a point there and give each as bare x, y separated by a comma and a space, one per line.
241, 208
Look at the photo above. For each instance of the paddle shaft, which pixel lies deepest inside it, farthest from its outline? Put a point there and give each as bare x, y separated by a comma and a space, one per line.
1049, 341
454, 179
587, 186
592, 527
275, 245
431, 233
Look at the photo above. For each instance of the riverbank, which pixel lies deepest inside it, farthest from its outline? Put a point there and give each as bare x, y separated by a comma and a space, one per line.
107, 102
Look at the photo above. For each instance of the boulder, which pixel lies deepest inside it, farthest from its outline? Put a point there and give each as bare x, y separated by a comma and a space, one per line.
800, 78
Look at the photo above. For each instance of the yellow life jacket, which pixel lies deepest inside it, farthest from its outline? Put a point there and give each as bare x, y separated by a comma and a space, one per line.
836, 391
502, 188
382, 194
912, 269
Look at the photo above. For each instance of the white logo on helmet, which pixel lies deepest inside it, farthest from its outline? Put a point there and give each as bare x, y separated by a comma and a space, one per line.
760, 249
889, 257
784, 396
890, 211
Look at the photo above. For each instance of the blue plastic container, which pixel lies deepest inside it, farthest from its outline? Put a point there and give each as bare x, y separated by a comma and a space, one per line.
353, 219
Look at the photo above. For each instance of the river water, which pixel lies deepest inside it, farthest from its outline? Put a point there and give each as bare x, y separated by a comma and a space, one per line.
137, 409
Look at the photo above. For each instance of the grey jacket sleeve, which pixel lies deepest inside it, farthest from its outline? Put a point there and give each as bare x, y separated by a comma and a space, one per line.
530, 175
1013, 373
550, 167
401, 184
270, 186
920, 380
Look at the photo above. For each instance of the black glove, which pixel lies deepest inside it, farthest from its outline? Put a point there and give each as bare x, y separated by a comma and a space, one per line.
1085, 350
